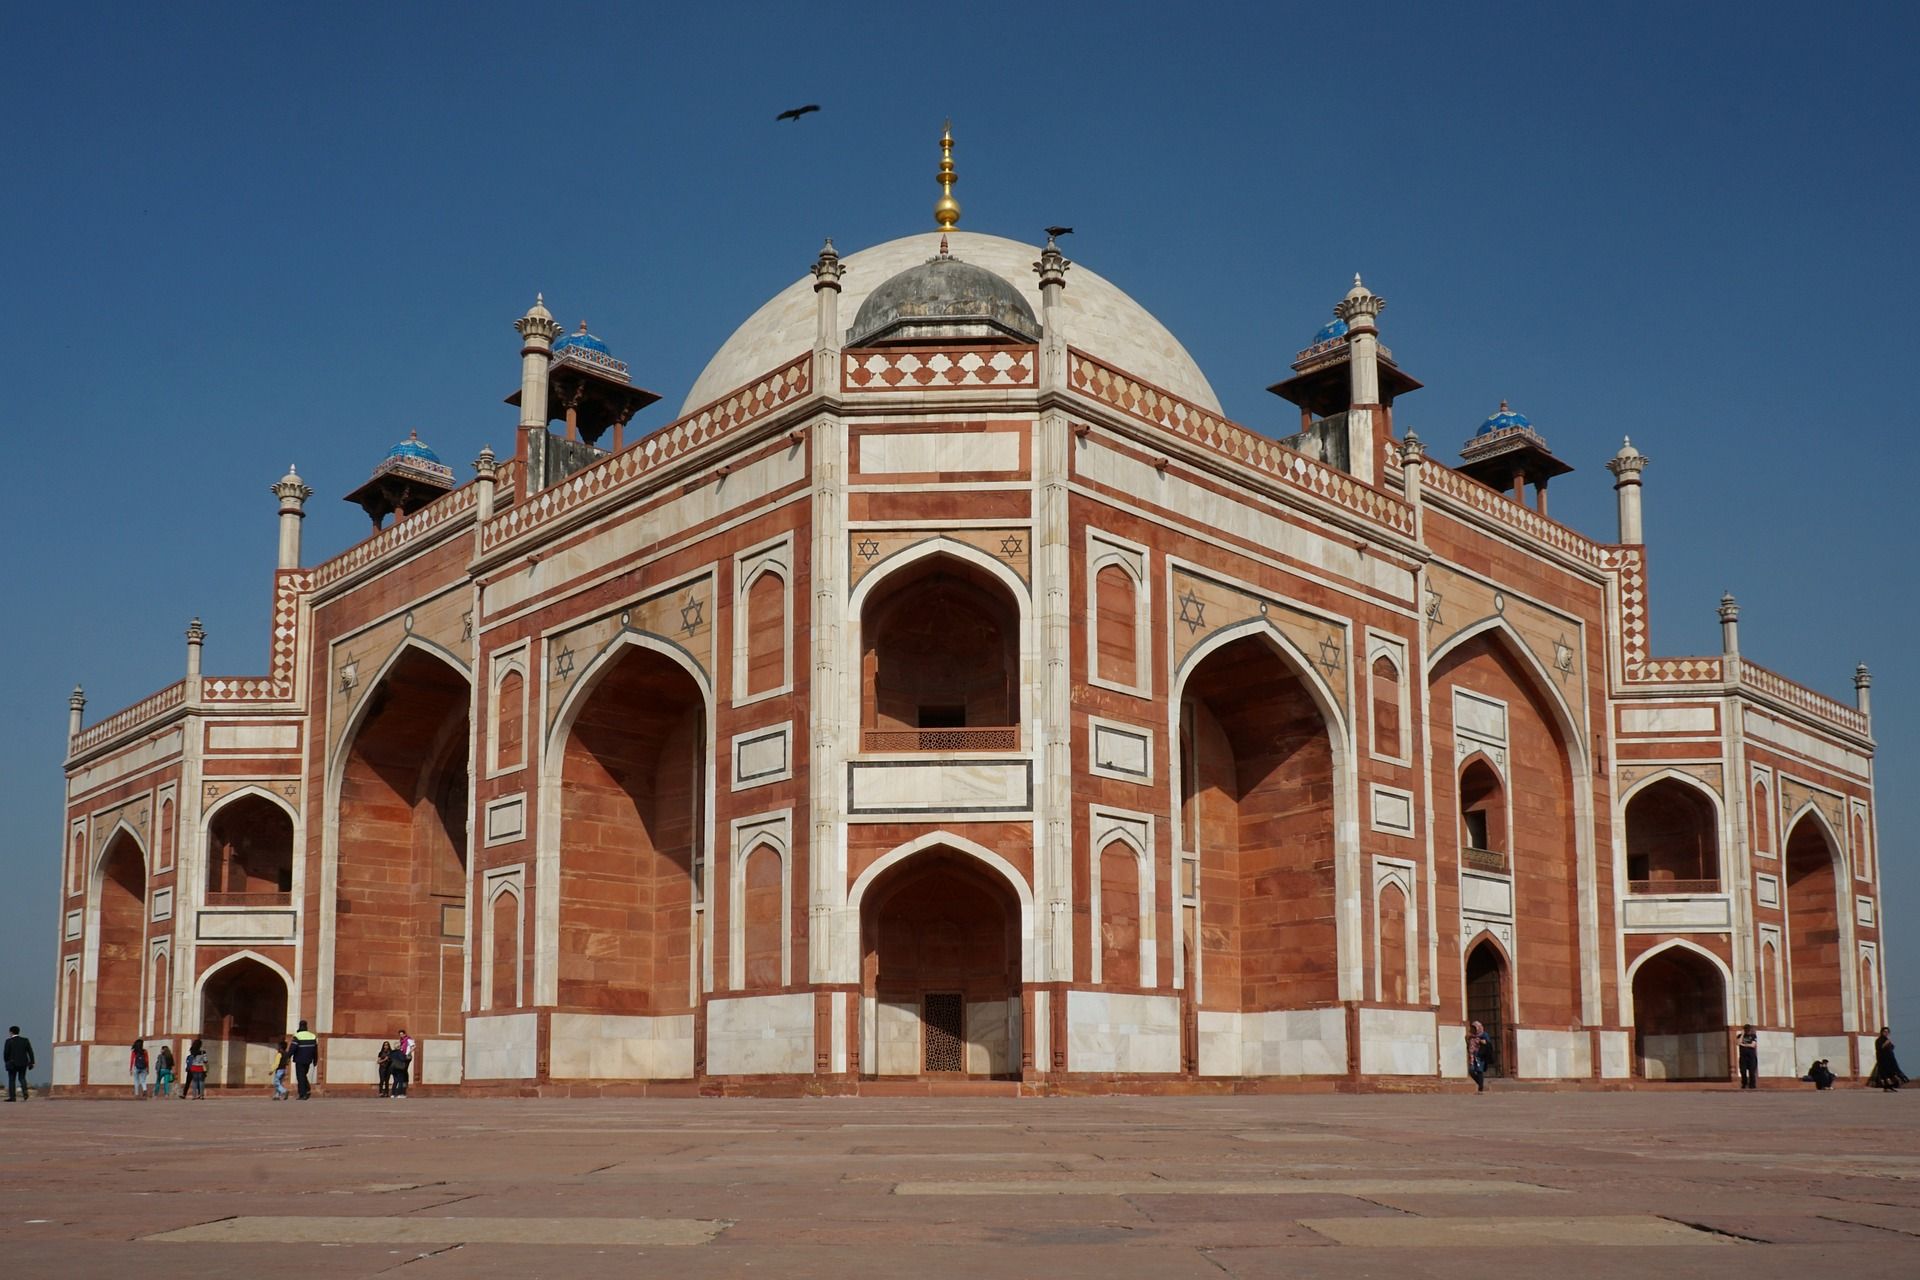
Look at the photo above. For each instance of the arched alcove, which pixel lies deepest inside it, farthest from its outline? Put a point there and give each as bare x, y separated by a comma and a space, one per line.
940, 660
1679, 1016
249, 853
1673, 842
123, 945
243, 1018
1814, 959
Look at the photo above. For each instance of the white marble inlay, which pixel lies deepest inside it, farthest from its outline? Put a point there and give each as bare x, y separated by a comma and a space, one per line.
950, 786
930, 451
1667, 720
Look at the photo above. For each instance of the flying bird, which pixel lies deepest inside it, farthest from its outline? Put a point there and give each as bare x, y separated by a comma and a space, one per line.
1058, 231
797, 112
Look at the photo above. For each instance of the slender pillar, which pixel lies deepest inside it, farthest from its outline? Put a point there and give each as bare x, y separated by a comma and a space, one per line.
1052, 270
1626, 466
1729, 627
1361, 309
1862, 691
827, 270
537, 329
293, 493
77, 706
485, 472
196, 636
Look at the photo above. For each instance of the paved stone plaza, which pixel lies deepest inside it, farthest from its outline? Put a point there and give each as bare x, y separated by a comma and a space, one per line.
1528, 1183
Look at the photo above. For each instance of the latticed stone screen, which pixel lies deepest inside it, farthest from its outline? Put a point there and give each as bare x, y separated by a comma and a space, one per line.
946, 1039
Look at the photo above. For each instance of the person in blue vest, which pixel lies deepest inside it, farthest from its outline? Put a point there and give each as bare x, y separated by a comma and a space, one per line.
306, 1056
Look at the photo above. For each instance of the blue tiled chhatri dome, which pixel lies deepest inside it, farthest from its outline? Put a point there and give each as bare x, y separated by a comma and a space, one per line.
1503, 420
411, 458
1329, 331
412, 448
581, 341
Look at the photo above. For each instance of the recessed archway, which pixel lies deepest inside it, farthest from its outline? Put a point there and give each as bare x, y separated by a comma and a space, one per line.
249, 853
1814, 959
632, 817
940, 968
1673, 842
122, 879
1489, 996
401, 870
1679, 1015
243, 1017
939, 659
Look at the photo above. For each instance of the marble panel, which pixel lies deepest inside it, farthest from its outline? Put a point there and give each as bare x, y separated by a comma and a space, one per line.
1397, 1042
1121, 751
1837, 1050
247, 924
1616, 1055
1486, 895
1706, 913
351, 1059
1280, 1042
1667, 720
253, 737
1453, 1056
760, 1035
1779, 1053
439, 1062
597, 1046
925, 451
1392, 810
763, 755
506, 819
896, 1039
1700, 1055
258, 1069
939, 786
1108, 1032
1554, 1055
107, 1065
66, 1064
167, 744
1766, 890
503, 1047
993, 1036
1479, 717
1764, 727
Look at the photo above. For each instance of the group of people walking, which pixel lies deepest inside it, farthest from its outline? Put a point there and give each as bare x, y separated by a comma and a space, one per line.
163, 1067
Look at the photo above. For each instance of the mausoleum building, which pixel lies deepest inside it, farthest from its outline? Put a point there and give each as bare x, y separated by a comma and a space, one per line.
949, 692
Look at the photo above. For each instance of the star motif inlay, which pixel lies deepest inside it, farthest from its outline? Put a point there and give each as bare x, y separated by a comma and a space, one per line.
1563, 657
1330, 656
349, 675
1434, 601
466, 625
1193, 611
690, 610
1011, 545
868, 548
563, 664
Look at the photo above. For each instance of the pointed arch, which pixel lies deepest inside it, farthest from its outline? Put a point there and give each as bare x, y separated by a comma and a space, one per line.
747, 921
330, 981
547, 860
1347, 894
1675, 944
1819, 924
959, 844
1580, 772
937, 545
114, 970
1664, 856
1680, 1020
121, 827
501, 967
242, 1022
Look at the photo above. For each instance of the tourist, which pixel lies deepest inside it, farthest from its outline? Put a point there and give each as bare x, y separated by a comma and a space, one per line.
1819, 1075
1477, 1055
306, 1055
384, 1060
402, 1063
18, 1056
1886, 1067
280, 1070
1749, 1057
196, 1085
137, 1068
163, 1071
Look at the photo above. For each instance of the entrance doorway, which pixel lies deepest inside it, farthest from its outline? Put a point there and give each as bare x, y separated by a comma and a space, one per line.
1487, 1003
940, 970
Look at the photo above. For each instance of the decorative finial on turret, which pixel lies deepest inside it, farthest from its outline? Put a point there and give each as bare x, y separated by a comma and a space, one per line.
946, 211
1053, 264
538, 322
1360, 306
486, 466
1411, 450
78, 701
827, 268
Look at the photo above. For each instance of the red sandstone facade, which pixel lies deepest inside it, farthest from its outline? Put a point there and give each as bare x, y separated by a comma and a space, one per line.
935, 708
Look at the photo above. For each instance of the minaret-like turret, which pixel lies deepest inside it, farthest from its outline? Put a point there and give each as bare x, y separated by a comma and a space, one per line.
1729, 627
1360, 309
1626, 466
827, 271
293, 493
1052, 270
77, 708
537, 329
486, 470
1862, 691
196, 637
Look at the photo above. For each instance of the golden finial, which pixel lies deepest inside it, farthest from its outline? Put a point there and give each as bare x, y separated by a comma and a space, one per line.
946, 212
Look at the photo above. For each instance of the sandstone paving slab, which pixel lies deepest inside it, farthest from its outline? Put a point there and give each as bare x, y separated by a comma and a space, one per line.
427, 1229
1221, 1187
1617, 1231
1855, 1262
1884, 1217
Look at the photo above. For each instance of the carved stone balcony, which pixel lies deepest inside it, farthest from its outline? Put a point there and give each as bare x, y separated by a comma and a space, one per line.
1484, 859
997, 738
1673, 886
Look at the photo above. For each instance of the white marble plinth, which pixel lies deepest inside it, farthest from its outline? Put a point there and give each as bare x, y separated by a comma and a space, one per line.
1554, 1055
503, 1047
760, 1035
600, 1046
1398, 1042
1122, 1033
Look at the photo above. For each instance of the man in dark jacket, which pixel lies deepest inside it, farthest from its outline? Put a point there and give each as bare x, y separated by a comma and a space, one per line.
19, 1060
306, 1052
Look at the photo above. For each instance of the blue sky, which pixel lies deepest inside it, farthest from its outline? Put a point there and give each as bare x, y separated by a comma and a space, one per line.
233, 239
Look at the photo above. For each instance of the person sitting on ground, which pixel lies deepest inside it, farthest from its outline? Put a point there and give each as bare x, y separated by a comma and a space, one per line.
1819, 1075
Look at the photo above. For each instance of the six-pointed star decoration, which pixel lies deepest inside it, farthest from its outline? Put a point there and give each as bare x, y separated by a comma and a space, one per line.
1433, 606
690, 610
868, 548
1193, 611
563, 664
1563, 657
349, 675
1011, 545
1330, 656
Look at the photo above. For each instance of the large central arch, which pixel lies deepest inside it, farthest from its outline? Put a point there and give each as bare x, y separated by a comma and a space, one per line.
120, 896
399, 853
1265, 786
1817, 935
945, 930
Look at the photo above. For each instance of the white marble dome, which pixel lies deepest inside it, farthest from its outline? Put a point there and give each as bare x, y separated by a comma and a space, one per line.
1098, 318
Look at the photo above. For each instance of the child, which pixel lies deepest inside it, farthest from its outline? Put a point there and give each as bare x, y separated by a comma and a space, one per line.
163, 1071
196, 1071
